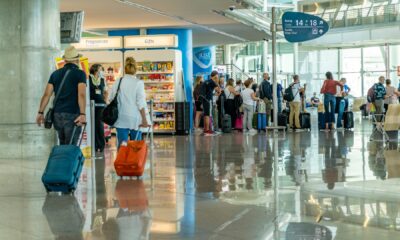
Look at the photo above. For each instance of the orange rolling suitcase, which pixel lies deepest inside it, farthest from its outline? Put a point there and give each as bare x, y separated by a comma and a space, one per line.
131, 159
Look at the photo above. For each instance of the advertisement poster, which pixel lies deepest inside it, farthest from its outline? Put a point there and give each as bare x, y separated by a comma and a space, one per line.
84, 66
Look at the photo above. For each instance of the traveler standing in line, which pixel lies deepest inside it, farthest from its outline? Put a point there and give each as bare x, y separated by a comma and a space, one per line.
239, 86
329, 91
346, 92
392, 95
315, 100
206, 95
98, 94
197, 101
229, 104
70, 108
218, 110
266, 93
380, 95
340, 105
249, 100
295, 105
279, 94
131, 103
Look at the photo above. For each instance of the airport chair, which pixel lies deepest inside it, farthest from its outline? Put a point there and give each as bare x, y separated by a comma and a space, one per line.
389, 122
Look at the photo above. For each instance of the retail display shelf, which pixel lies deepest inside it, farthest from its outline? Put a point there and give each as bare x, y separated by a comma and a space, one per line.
162, 101
147, 73
163, 120
160, 91
164, 129
163, 111
157, 82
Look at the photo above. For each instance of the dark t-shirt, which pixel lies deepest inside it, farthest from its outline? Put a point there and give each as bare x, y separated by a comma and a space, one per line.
207, 89
97, 92
68, 100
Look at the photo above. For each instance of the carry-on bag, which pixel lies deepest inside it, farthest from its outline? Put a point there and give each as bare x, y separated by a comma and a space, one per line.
305, 120
261, 121
64, 167
348, 119
321, 120
131, 158
239, 122
282, 120
226, 118
110, 113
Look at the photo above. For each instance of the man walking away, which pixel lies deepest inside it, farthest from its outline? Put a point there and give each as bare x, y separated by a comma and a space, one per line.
295, 104
69, 110
380, 94
206, 94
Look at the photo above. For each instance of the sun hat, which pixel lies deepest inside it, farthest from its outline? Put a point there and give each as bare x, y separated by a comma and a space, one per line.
71, 54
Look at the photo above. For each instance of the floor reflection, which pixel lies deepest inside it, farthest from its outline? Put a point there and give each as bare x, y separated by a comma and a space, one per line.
336, 185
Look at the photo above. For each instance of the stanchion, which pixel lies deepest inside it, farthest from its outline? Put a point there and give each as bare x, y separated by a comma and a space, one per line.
92, 129
151, 121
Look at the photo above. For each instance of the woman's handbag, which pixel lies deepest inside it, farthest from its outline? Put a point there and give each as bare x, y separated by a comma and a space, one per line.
49, 118
110, 113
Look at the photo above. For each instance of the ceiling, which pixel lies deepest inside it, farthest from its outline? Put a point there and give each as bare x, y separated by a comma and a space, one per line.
195, 14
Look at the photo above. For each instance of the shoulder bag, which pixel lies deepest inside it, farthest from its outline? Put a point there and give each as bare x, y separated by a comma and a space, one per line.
110, 113
49, 118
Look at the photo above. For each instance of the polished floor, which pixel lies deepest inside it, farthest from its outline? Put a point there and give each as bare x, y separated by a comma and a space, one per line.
336, 185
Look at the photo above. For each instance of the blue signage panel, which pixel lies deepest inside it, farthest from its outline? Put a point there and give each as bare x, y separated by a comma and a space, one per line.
300, 27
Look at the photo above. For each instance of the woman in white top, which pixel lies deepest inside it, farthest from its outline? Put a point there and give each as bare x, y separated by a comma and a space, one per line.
391, 95
229, 104
131, 104
249, 101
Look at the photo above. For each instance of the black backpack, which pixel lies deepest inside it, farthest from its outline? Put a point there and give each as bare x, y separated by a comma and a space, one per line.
288, 94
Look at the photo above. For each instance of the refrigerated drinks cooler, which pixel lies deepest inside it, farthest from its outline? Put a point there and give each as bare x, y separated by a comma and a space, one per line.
161, 71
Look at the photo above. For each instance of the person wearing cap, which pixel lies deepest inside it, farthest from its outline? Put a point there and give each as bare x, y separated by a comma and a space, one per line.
70, 108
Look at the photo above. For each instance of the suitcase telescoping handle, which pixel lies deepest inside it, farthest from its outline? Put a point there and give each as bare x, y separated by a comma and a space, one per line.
74, 132
139, 132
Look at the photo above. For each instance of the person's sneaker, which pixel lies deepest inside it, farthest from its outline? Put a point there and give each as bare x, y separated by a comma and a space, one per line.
253, 131
209, 133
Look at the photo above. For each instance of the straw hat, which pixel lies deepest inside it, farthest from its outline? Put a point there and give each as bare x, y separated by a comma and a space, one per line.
71, 54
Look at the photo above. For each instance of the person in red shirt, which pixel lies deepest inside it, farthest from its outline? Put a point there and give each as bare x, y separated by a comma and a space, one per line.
329, 91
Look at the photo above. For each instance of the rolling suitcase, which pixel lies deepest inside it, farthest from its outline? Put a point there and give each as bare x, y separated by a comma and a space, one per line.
348, 119
321, 120
282, 120
226, 118
64, 167
239, 122
305, 120
131, 158
261, 121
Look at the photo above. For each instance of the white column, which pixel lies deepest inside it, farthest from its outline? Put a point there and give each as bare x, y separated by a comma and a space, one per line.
29, 43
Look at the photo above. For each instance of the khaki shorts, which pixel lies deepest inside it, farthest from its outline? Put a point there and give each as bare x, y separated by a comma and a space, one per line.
268, 105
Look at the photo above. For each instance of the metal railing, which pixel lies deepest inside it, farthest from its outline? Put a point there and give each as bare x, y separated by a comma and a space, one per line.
362, 16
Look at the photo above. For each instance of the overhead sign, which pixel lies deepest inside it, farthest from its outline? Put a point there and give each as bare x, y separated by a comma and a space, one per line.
99, 43
71, 26
301, 27
151, 41
221, 69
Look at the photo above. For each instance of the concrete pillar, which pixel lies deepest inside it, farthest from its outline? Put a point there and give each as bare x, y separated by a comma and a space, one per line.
29, 43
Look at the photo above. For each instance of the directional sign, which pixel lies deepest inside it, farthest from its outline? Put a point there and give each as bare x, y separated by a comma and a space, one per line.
300, 27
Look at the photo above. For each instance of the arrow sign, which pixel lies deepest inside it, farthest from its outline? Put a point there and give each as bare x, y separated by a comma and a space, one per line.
301, 27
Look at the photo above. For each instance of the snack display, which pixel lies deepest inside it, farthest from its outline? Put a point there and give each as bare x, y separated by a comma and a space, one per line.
159, 85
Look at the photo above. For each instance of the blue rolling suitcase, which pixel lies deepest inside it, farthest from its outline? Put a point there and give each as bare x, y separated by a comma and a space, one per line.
261, 121
64, 167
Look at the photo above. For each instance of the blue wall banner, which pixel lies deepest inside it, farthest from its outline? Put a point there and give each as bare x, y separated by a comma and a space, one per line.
203, 60
301, 27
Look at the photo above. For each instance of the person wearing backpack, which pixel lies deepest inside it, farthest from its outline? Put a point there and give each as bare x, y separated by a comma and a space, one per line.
295, 102
266, 93
206, 94
329, 91
379, 96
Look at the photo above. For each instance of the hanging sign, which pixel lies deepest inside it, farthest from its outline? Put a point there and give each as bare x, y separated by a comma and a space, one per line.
301, 27
99, 43
151, 41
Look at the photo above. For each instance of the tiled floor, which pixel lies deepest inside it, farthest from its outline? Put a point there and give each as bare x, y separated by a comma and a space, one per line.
335, 185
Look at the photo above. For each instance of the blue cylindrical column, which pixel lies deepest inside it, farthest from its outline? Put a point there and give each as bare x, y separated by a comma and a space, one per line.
203, 60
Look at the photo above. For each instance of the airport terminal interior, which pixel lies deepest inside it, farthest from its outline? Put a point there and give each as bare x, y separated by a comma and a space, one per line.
243, 171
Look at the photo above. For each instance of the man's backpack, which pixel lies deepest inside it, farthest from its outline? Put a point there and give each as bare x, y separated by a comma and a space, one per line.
371, 94
288, 94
